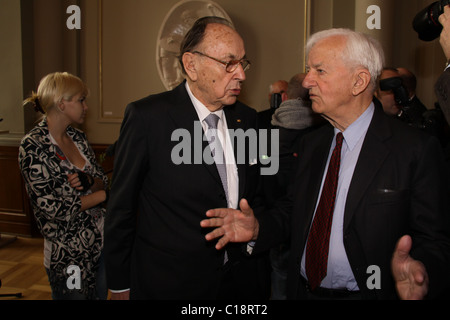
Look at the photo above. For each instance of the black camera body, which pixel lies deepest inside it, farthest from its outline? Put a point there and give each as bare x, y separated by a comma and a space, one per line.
395, 84
426, 23
275, 100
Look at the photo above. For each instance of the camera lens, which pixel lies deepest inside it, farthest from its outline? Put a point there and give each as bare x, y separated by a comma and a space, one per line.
426, 23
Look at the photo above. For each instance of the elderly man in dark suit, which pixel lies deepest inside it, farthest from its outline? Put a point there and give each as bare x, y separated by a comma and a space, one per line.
154, 246
368, 211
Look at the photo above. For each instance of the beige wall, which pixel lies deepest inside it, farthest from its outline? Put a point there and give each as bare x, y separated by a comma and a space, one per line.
34, 44
11, 82
274, 37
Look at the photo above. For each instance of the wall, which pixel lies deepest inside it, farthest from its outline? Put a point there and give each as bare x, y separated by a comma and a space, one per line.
11, 82
35, 41
273, 34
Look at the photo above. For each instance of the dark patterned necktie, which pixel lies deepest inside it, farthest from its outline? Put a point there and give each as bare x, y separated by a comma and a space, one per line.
216, 147
319, 235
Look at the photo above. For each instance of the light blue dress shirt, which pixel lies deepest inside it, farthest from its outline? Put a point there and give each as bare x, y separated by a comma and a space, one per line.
339, 273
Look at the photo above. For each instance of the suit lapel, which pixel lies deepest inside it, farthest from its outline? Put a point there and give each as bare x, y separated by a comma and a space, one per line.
184, 116
320, 157
372, 155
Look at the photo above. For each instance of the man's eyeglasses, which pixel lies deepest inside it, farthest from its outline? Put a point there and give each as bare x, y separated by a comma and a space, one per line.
231, 65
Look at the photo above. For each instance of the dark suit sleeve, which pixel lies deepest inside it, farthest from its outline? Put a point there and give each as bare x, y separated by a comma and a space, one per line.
275, 219
430, 221
442, 90
129, 171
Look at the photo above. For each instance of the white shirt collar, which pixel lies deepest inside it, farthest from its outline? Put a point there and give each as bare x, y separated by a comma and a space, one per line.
358, 129
201, 109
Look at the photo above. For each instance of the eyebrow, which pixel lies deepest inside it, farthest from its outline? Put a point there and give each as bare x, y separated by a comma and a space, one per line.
315, 66
233, 57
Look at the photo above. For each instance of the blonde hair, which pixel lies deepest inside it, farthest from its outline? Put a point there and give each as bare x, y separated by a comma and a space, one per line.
54, 88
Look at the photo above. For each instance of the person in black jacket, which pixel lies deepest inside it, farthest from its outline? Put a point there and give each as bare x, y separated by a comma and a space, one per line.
154, 246
390, 228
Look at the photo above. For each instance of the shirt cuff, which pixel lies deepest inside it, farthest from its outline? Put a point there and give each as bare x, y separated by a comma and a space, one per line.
119, 291
447, 65
250, 247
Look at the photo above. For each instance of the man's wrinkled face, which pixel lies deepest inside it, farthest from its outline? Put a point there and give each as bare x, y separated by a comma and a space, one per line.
214, 86
329, 79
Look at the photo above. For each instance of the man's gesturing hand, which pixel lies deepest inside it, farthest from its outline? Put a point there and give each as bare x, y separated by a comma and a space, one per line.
444, 40
410, 275
231, 225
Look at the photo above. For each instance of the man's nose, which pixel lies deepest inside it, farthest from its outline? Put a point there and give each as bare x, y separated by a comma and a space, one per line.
308, 81
239, 73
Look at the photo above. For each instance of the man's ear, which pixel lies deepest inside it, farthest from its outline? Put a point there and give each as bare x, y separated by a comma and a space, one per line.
189, 63
361, 82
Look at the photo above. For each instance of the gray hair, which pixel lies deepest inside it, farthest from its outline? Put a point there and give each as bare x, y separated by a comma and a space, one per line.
361, 50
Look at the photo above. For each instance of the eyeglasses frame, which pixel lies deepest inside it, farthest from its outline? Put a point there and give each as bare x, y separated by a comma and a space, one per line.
230, 64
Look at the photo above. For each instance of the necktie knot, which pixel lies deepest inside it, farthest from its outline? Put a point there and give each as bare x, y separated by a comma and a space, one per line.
212, 120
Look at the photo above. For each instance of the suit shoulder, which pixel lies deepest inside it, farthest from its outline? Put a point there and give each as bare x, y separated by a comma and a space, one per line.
442, 86
153, 104
403, 130
245, 109
406, 141
151, 100
319, 132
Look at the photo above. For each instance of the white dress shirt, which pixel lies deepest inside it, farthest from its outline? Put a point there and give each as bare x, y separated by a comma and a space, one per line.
224, 137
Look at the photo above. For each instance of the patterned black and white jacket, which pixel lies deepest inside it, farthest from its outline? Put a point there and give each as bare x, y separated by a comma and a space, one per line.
72, 237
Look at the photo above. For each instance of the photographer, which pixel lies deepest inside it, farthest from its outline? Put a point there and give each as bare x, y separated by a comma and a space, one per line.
387, 97
442, 86
396, 92
277, 95
413, 112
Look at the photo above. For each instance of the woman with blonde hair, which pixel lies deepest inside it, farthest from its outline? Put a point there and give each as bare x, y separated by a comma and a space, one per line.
67, 188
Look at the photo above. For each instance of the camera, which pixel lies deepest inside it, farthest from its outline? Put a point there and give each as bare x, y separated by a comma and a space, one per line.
275, 100
426, 23
400, 93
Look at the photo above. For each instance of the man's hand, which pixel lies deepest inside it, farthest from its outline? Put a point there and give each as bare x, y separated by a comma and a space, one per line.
231, 225
444, 19
125, 295
411, 278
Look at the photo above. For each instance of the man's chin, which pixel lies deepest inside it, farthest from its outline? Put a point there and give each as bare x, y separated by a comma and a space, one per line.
230, 100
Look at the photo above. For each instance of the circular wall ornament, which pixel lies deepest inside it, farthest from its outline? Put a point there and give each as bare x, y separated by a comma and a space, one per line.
175, 26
